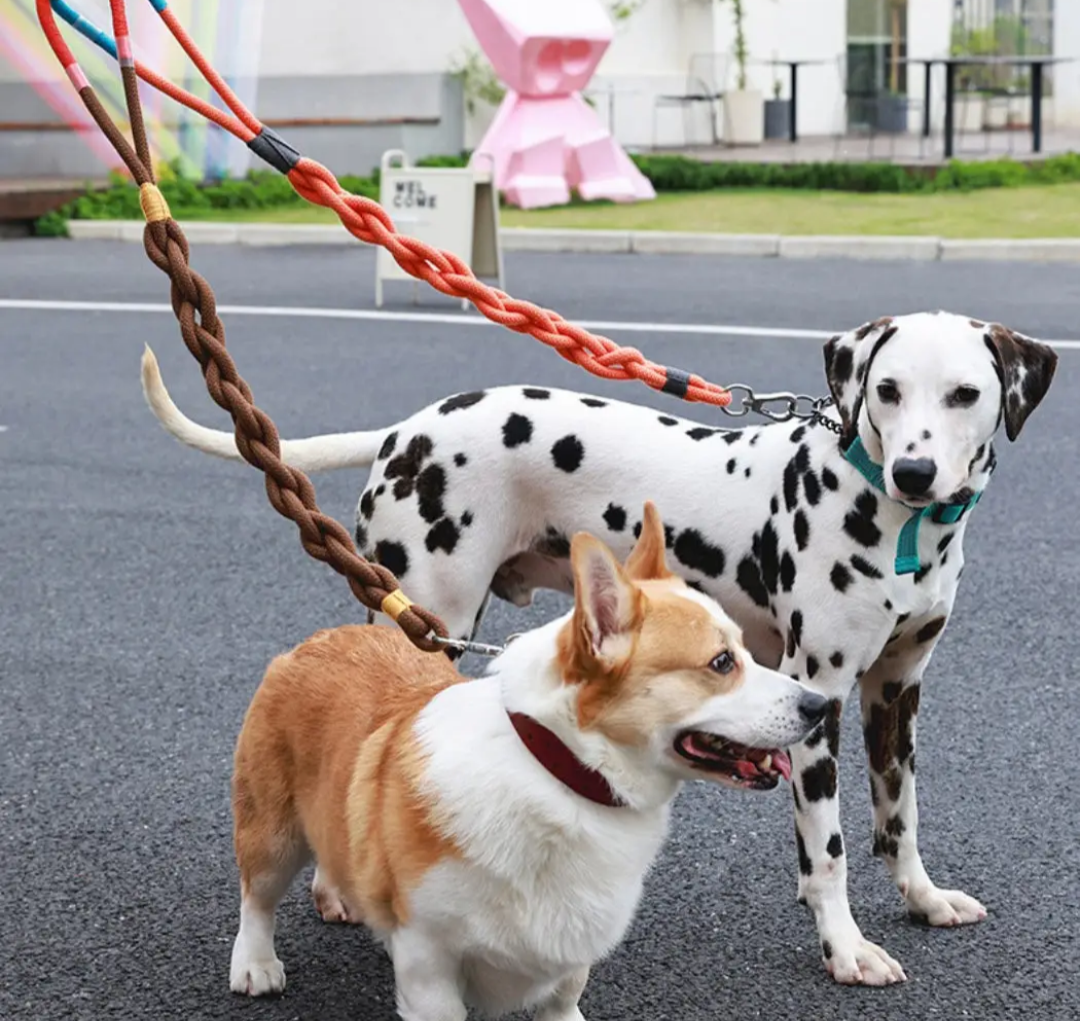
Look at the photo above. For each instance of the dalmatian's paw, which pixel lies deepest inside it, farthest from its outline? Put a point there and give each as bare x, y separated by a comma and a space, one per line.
858, 962
932, 906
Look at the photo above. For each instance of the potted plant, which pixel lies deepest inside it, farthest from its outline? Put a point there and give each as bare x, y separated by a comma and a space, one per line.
744, 109
777, 111
482, 92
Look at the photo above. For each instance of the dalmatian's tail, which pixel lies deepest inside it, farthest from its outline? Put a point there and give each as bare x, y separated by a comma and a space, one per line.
313, 454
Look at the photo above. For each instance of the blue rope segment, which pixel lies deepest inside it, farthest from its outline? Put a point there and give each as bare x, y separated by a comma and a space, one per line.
86, 28
907, 544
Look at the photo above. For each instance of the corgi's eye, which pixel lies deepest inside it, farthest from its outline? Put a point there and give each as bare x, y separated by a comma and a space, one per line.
724, 663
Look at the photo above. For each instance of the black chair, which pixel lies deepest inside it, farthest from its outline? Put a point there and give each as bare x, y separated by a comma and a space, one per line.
704, 85
871, 111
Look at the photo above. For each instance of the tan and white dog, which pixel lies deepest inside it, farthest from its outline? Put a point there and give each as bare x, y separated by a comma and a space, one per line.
495, 833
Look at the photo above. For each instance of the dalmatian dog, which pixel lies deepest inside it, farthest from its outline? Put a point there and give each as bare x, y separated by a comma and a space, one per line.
836, 544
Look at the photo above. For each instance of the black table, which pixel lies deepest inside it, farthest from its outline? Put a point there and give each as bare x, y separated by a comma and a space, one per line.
793, 67
1035, 63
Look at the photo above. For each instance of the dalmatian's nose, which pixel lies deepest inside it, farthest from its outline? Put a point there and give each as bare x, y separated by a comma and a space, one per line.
914, 475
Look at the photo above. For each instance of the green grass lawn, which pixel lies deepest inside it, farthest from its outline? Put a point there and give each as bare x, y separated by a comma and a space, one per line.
1039, 211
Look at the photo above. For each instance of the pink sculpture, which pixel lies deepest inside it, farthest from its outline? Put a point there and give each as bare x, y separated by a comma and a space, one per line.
545, 139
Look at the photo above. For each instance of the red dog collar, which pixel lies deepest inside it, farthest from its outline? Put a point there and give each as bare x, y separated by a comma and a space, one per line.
562, 763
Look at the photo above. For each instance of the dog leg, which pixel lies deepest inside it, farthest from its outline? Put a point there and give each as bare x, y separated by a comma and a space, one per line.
428, 977
848, 957
563, 1005
328, 901
890, 708
255, 969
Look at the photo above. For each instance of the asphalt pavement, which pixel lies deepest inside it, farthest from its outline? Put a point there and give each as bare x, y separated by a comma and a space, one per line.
143, 589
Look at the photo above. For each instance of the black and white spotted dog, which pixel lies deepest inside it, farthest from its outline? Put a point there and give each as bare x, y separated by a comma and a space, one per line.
838, 552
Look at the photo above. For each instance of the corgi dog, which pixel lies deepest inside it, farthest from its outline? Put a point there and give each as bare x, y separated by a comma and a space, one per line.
495, 833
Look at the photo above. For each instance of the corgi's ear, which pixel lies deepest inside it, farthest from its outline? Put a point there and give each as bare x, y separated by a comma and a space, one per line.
607, 604
648, 559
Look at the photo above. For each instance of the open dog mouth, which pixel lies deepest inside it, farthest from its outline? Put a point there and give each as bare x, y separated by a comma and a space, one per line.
754, 768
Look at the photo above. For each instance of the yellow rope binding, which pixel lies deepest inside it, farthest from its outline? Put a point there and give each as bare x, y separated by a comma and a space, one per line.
395, 604
153, 203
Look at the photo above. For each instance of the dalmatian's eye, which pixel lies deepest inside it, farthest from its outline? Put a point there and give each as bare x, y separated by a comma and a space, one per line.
723, 663
963, 397
887, 392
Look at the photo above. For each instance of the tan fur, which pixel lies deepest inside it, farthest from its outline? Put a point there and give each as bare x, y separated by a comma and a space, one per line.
666, 634
325, 762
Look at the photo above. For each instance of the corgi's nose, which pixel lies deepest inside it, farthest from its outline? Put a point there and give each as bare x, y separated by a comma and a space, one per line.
812, 707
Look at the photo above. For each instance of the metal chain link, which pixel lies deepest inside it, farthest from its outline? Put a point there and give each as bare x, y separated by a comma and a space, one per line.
801, 406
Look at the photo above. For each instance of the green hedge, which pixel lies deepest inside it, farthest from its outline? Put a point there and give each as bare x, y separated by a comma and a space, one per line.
266, 189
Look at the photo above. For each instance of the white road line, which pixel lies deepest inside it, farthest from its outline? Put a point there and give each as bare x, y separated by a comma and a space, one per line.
439, 318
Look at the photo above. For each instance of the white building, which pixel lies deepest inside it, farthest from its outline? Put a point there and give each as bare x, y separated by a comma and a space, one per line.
345, 81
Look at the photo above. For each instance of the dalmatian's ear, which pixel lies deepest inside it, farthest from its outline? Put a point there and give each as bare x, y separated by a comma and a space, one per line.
847, 356
1025, 368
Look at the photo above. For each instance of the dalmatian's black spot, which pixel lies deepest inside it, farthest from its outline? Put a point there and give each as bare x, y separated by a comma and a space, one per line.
637, 530
552, 543
797, 434
977, 458
922, 572
926, 434
568, 454
791, 486
841, 577
461, 401
361, 537
795, 796
895, 826
442, 535
890, 691
367, 504
943, 542
787, 571
460, 460
884, 845
911, 763
802, 530
811, 667
931, 629
380, 489
392, 556
731, 435
774, 506
466, 519
430, 488
517, 429
812, 488
875, 798
701, 432
748, 576
806, 866
865, 568
593, 402
746, 473
387, 447
796, 626
693, 550
669, 536
902, 618
944, 559
533, 393
667, 420
819, 780
790, 647
696, 586
859, 522
836, 660
843, 363
802, 459
888, 604
831, 726
754, 439
835, 846
829, 479
731, 466
907, 708
615, 517
406, 466
769, 555
826, 949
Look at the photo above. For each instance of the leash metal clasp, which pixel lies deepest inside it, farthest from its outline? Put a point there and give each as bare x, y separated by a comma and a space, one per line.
800, 406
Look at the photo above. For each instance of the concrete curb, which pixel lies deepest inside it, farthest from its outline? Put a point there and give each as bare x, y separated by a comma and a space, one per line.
645, 242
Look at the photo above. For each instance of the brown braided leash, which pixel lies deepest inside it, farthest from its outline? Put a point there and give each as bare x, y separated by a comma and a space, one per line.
289, 490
